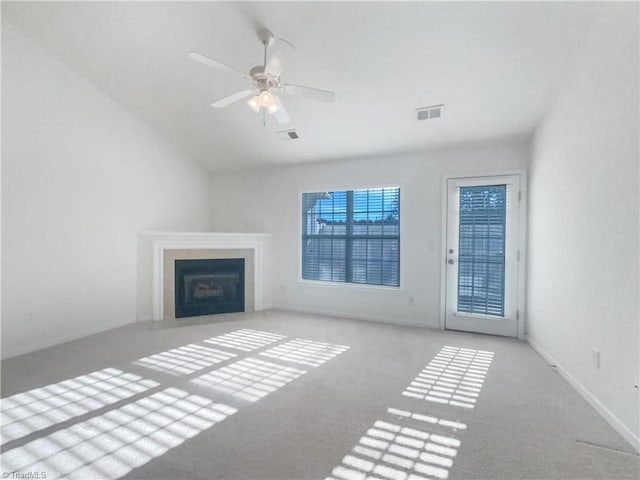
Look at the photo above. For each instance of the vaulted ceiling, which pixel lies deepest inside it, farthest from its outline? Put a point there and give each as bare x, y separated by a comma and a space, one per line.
495, 66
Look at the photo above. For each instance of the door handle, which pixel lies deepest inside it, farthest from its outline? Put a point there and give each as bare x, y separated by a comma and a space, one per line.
450, 261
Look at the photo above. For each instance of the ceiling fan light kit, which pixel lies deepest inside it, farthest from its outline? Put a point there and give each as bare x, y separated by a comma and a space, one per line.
265, 100
254, 104
265, 80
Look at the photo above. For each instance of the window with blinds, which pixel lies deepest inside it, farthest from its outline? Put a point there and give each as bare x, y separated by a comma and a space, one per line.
352, 236
481, 249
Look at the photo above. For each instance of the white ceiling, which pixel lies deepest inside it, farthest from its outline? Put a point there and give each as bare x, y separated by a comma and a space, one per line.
495, 66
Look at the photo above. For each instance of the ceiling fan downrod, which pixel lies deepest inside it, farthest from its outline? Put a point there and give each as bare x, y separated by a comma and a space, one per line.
266, 38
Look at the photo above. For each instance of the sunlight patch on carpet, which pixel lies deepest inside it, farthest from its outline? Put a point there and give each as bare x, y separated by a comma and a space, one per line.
111, 445
42, 407
184, 360
305, 352
454, 377
249, 379
246, 339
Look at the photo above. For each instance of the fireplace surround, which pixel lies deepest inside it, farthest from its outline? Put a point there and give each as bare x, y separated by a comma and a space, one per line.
167, 247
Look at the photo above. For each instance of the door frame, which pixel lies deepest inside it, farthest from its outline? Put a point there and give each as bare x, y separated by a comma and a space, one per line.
522, 243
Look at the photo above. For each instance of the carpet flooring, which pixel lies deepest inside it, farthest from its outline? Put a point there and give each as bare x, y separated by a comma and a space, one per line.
283, 395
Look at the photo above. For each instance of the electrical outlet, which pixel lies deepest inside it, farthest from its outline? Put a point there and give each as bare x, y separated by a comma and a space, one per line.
595, 354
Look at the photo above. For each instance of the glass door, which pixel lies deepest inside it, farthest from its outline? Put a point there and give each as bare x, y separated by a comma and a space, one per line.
482, 255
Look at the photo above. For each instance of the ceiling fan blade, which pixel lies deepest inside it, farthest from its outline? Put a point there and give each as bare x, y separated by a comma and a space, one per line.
223, 102
281, 53
310, 92
210, 62
281, 114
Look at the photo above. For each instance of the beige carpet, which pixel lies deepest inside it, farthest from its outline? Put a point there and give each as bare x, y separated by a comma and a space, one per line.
282, 395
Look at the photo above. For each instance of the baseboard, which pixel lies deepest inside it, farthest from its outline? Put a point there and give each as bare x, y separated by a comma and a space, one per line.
52, 342
614, 421
354, 316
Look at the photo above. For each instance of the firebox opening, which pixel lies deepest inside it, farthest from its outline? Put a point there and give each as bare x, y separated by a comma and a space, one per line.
209, 286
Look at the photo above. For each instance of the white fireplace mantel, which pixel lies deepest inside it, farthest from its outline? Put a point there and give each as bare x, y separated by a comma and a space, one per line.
162, 241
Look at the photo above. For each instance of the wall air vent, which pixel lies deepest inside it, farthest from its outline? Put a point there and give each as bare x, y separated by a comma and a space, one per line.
432, 111
286, 135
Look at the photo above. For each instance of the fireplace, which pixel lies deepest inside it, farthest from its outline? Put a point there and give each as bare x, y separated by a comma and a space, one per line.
209, 286
162, 249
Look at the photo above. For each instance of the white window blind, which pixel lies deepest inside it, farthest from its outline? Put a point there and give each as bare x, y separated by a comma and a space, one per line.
352, 236
481, 261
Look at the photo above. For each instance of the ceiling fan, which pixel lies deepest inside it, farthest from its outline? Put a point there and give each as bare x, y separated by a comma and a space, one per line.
265, 80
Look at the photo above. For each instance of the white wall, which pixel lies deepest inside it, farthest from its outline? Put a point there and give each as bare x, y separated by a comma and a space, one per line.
269, 200
583, 243
80, 176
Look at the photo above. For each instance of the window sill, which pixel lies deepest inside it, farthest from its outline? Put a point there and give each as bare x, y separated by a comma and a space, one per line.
479, 315
354, 286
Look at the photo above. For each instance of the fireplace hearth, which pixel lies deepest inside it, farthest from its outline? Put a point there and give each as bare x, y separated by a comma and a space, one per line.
209, 286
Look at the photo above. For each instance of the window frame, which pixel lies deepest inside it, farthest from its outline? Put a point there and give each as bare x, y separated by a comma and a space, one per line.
351, 285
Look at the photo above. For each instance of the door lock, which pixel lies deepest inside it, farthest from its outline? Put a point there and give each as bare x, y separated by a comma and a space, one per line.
450, 261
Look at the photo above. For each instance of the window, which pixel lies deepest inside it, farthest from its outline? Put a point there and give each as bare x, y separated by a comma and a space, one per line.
352, 236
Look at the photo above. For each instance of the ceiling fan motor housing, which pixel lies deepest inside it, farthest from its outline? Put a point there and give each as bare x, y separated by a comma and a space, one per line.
263, 80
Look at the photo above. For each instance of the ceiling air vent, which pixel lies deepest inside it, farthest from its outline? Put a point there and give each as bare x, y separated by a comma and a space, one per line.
432, 111
286, 135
